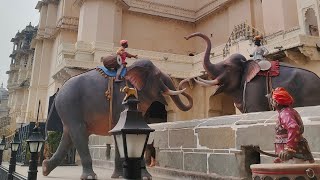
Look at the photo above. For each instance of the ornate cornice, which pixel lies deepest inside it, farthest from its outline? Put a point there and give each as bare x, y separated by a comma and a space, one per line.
158, 9
174, 12
211, 7
68, 23
46, 2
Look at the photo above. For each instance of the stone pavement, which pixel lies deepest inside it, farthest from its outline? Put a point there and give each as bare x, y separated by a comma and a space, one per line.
71, 173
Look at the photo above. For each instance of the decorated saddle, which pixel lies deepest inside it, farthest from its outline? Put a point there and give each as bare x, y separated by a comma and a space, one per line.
110, 65
274, 70
110, 72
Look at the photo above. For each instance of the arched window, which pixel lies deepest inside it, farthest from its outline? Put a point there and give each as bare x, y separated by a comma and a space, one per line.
311, 22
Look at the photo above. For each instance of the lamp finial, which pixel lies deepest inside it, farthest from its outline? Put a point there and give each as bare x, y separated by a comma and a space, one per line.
129, 92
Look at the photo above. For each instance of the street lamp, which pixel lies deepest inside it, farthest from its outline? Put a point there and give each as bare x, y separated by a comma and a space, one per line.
14, 148
35, 143
2, 146
131, 134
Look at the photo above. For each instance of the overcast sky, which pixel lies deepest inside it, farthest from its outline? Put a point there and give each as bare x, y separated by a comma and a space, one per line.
14, 15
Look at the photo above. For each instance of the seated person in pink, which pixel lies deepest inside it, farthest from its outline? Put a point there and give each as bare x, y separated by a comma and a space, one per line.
123, 54
289, 129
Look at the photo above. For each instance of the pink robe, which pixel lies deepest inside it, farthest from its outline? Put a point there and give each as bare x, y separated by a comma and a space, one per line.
289, 130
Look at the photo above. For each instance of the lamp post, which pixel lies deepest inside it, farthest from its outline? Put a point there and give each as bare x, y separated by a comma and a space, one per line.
14, 148
131, 134
35, 143
2, 146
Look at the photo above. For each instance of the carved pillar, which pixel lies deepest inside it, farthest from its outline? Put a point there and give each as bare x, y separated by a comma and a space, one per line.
100, 24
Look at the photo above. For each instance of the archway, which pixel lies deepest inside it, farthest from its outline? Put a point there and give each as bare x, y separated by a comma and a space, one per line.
155, 114
311, 22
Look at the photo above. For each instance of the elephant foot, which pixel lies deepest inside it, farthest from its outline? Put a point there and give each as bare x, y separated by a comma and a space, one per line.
145, 174
46, 167
90, 175
116, 174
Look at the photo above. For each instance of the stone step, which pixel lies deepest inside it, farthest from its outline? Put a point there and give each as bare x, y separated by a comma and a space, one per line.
169, 173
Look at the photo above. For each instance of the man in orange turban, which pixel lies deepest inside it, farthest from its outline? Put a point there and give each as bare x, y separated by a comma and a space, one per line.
123, 55
289, 129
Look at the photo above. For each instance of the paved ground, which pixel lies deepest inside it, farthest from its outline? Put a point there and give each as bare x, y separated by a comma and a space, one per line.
71, 173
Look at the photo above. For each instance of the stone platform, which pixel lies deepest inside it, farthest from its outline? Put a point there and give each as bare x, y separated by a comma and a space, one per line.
215, 145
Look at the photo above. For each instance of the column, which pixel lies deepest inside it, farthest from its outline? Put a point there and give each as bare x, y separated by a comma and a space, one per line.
99, 27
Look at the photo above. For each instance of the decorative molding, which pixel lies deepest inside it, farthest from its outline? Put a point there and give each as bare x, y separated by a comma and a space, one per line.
46, 33
46, 2
68, 23
174, 12
210, 7
158, 9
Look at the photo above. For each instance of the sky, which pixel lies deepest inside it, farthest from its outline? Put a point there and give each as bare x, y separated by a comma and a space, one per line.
14, 15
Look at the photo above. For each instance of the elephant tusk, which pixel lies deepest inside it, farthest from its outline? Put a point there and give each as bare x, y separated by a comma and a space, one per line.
201, 83
183, 81
173, 93
209, 82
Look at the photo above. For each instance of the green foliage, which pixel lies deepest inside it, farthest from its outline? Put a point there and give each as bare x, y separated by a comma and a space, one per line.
53, 141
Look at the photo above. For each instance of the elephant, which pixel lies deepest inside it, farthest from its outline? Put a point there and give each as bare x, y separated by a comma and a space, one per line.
237, 77
83, 109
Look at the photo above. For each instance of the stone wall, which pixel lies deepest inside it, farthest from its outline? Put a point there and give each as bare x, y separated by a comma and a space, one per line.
216, 145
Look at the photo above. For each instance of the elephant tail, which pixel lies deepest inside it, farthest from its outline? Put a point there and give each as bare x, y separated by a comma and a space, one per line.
54, 122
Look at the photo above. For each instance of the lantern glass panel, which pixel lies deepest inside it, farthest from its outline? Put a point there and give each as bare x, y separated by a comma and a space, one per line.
120, 144
14, 147
40, 146
135, 144
2, 146
33, 146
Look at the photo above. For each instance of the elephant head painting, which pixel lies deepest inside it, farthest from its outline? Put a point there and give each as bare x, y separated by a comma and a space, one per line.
84, 110
236, 76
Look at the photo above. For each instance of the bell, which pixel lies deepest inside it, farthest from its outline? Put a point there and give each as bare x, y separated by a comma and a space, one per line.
264, 65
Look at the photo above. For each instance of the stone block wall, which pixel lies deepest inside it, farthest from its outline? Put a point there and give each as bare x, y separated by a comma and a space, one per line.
216, 145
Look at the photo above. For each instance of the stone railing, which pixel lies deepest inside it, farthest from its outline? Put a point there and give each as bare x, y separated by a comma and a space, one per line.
283, 40
216, 145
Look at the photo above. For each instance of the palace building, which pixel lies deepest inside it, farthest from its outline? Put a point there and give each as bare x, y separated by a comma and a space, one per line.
72, 36
20, 76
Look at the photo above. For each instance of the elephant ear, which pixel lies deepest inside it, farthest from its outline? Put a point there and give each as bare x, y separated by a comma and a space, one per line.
137, 76
251, 70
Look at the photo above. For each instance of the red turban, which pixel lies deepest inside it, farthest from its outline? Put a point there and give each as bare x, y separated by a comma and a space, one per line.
122, 42
282, 97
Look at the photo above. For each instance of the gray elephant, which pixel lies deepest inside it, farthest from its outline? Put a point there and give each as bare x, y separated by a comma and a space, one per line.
83, 109
237, 77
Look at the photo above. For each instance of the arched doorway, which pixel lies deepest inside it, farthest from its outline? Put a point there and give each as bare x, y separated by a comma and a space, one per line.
155, 114
311, 22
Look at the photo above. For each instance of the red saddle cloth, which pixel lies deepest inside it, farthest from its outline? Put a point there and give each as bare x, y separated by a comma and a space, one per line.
273, 71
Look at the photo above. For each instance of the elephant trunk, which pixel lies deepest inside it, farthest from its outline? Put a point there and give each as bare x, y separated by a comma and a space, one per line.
207, 65
168, 86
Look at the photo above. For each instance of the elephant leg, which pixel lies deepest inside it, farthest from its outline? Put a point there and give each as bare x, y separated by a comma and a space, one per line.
80, 138
144, 172
118, 165
55, 160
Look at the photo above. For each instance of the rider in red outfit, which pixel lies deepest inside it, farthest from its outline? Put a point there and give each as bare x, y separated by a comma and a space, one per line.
123, 54
289, 129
